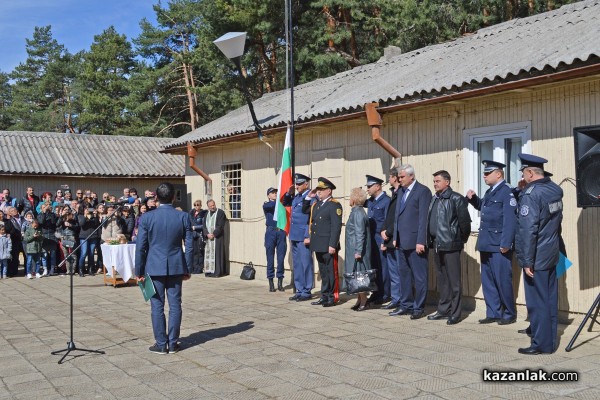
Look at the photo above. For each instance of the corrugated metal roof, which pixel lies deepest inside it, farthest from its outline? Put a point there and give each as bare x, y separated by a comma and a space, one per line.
86, 155
502, 52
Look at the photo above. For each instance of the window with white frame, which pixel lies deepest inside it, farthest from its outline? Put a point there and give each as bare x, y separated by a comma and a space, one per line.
499, 143
231, 190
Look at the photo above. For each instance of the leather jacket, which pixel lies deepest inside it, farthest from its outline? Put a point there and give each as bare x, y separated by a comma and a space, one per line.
453, 224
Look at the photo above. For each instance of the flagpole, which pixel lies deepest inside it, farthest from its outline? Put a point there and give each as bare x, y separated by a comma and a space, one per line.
289, 32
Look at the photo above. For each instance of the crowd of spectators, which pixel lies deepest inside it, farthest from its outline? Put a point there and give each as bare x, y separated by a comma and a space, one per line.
46, 230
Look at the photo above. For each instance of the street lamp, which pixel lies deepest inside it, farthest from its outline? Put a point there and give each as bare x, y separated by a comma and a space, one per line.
232, 46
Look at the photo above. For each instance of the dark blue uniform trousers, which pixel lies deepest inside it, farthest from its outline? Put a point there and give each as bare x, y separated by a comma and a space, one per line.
541, 297
394, 272
497, 285
171, 285
303, 268
275, 239
413, 272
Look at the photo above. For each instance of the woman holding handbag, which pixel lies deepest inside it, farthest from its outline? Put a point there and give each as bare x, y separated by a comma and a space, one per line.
358, 247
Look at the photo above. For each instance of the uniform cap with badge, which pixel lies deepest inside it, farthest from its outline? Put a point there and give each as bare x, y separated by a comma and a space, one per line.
325, 183
531, 161
271, 190
490, 166
372, 180
299, 179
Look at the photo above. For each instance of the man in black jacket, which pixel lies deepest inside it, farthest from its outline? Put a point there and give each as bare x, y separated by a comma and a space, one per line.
29, 202
387, 234
325, 229
449, 226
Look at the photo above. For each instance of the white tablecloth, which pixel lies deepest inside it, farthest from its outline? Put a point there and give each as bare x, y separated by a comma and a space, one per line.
120, 256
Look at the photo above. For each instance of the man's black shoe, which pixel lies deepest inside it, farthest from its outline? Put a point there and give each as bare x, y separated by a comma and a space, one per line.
294, 297
303, 299
155, 348
328, 304
317, 303
399, 311
530, 351
526, 331
436, 316
507, 321
453, 321
175, 348
417, 315
489, 320
391, 306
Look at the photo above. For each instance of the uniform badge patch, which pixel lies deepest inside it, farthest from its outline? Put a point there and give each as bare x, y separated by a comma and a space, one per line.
339, 212
513, 202
524, 210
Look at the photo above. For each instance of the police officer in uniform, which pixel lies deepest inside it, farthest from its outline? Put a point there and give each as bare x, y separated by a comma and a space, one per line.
537, 244
302, 260
377, 207
325, 229
495, 243
275, 239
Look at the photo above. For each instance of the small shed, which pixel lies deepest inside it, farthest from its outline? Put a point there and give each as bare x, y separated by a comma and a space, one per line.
48, 160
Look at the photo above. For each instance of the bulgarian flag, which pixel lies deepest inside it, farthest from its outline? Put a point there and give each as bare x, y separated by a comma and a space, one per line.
282, 213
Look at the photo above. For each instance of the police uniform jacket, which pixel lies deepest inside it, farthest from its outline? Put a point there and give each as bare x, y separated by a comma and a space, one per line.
377, 212
269, 211
298, 219
498, 218
538, 229
325, 224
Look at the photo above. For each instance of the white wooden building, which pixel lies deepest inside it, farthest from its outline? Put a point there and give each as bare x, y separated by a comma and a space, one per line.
521, 86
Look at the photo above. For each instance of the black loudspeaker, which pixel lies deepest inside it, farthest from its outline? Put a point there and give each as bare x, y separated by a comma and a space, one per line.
587, 165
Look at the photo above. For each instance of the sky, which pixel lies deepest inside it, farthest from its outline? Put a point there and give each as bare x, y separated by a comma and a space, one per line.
74, 23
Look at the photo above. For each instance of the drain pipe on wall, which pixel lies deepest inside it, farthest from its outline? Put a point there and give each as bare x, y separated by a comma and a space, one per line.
375, 122
192, 153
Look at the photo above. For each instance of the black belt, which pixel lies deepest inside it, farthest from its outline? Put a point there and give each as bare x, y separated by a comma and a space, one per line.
273, 228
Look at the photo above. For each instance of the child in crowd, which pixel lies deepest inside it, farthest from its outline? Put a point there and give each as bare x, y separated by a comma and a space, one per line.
5, 249
33, 238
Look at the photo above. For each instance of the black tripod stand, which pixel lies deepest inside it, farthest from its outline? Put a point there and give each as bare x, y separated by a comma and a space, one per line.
594, 320
71, 343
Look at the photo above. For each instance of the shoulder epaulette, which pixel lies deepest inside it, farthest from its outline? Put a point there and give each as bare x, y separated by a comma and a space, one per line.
333, 200
508, 186
530, 189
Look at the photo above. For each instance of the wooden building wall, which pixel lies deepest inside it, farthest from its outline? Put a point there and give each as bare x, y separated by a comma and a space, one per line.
429, 138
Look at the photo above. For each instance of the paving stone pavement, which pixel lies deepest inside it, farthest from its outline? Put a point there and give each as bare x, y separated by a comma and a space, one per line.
241, 342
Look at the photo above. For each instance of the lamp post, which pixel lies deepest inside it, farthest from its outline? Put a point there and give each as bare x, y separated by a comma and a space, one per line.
232, 46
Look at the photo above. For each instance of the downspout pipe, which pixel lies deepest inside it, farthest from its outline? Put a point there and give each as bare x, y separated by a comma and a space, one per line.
375, 122
192, 153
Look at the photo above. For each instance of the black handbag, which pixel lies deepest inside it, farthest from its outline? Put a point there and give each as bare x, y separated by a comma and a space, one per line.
363, 281
248, 272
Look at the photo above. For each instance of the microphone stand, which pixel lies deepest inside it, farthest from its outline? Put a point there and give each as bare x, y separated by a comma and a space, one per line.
71, 343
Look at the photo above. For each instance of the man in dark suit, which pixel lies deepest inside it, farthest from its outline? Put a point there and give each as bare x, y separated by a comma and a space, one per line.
410, 237
495, 244
158, 253
325, 229
387, 235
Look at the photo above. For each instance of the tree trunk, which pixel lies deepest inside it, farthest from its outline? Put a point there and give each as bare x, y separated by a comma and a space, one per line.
330, 27
347, 15
190, 96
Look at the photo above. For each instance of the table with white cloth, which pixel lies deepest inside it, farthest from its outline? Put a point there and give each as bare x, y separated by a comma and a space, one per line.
119, 263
